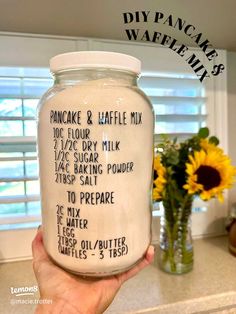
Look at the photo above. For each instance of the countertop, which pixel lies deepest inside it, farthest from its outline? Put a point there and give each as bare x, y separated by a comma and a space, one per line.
209, 288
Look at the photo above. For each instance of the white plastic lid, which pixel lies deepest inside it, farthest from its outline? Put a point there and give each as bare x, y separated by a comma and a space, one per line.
92, 59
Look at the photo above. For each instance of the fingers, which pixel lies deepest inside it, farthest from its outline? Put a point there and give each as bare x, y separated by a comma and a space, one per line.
149, 256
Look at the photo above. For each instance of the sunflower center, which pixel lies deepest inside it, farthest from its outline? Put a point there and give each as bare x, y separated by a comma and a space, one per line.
155, 175
208, 176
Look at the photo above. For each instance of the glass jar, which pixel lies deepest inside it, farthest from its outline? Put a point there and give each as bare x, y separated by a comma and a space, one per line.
95, 147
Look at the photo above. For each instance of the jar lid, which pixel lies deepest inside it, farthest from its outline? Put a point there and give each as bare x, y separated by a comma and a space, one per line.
95, 59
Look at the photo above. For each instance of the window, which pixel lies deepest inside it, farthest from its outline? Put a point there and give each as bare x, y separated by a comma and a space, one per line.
179, 103
20, 90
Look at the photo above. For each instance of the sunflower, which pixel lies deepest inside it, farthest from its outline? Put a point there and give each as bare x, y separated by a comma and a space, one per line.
209, 173
207, 146
159, 178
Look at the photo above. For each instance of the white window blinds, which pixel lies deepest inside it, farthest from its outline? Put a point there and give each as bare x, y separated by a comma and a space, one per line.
180, 109
179, 103
20, 90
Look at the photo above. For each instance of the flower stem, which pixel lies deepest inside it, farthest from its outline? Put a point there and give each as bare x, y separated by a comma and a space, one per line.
171, 234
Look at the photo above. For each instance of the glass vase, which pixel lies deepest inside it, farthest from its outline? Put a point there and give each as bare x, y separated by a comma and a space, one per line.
176, 245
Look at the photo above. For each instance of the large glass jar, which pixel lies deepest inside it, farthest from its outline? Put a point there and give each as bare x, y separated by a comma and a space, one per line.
95, 146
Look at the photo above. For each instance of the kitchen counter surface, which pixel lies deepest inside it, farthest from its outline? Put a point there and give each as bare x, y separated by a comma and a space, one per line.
209, 288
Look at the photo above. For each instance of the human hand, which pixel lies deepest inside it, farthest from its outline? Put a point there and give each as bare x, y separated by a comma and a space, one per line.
72, 294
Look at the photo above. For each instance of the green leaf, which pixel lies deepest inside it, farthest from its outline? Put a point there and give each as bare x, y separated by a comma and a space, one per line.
173, 158
203, 132
214, 140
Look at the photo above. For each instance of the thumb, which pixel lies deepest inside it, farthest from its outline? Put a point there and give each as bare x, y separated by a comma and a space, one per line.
39, 253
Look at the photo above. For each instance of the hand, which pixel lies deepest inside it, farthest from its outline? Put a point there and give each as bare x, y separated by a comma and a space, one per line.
72, 294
